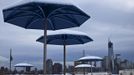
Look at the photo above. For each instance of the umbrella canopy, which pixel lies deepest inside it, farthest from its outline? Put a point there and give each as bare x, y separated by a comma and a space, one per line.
67, 37
84, 66
33, 14
23, 65
90, 58
37, 14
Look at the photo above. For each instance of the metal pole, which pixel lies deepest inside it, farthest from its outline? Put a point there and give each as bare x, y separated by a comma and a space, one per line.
10, 66
64, 58
45, 47
45, 41
84, 70
91, 69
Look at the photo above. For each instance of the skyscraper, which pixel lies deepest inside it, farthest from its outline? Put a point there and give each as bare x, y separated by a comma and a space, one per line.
49, 65
110, 56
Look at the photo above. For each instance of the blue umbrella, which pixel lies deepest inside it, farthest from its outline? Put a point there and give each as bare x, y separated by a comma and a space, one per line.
44, 16
66, 37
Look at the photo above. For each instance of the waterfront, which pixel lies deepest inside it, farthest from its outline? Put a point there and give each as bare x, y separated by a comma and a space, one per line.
121, 72
59, 74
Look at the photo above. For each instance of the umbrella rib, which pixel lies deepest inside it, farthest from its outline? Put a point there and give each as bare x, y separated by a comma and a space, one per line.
15, 15
65, 14
30, 22
50, 40
62, 8
34, 13
56, 38
11, 12
66, 20
80, 39
52, 24
44, 16
55, 10
22, 10
74, 20
26, 10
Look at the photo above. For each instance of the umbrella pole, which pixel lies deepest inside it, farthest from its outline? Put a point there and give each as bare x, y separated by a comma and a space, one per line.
84, 71
45, 42
91, 69
64, 59
10, 65
45, 48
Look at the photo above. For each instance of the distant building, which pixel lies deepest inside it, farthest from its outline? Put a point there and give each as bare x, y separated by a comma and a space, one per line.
25, 66
105, 64
110, 57
70, 69
113, 63
57, 68
77, 63
125, 64
117, 66
49, 66
126, 72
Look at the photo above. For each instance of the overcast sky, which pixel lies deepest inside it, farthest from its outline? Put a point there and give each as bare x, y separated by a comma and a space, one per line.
109, 18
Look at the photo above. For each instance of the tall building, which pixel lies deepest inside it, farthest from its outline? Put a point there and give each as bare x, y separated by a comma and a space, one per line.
57, 68
49, 65
110, 57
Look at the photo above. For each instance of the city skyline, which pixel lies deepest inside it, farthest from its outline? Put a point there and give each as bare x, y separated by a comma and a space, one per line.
109, 18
